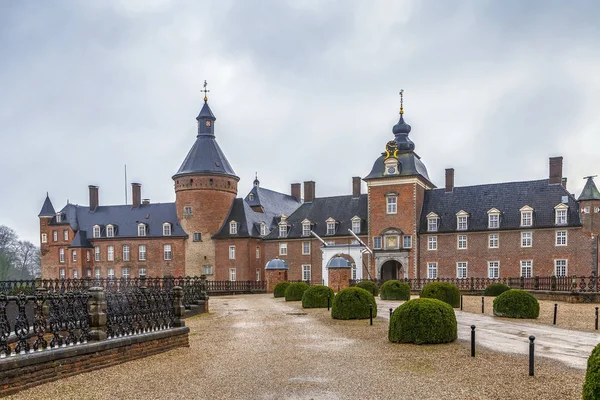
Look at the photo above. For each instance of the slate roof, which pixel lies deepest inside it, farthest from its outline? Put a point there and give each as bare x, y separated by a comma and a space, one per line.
410, 164
340, 208
273, 203
508, 198
47, 209
276, 263
125, 218
590, 191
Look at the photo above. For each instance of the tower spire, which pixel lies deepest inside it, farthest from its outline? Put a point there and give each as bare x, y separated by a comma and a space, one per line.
401, 100
205, 91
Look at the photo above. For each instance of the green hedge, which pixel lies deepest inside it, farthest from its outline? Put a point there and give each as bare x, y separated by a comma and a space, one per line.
423, 321
495, 289
395, 290
295, 291
353, 303
516, 304
591, 387
316, 297
279, 290
446, 292
369, 286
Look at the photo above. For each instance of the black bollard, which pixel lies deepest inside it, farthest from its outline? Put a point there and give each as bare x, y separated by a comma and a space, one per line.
596, 318
391, 310
328, 301
482, 304
472, 340
461, 302
371, 313
531, 353
555, 309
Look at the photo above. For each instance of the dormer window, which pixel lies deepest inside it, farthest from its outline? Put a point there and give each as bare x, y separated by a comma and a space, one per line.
110, 231
263, 229
493, 218
560, 214
283, 230
167, 229
330, 226
233, 228
432, 222
251, 196
526, 216
305, 228
96, 231
356, 225
58, 217
141, 229
461, 220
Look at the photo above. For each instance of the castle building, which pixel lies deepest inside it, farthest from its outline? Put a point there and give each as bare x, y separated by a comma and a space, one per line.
403, 227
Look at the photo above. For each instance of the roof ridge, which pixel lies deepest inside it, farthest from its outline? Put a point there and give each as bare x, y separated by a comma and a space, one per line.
495, 183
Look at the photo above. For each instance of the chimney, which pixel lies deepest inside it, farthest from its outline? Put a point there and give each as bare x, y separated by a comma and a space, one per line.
146, 202
309, 191
564, 182
356, 186
93, 197
555, 170
296, 191
449, 180
136, 194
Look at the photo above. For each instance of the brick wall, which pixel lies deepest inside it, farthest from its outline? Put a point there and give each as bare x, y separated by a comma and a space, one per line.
245, 263
339, 278
273, 277
23, 372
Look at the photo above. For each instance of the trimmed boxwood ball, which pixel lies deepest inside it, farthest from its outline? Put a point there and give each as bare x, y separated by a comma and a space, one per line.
279, 289
316, 297
495, 289
446, 292
395, 290
516, 304
369, 286
591, 387
295, 291
353, 303
423, 321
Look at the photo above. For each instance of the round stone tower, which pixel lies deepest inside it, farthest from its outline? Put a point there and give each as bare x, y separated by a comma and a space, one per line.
205, 187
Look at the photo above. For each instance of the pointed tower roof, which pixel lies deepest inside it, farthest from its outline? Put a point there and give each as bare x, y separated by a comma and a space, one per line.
205, 157
47, 209
590, 191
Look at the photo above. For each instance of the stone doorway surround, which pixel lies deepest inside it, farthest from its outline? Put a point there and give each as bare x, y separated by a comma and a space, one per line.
381, 257
355, 252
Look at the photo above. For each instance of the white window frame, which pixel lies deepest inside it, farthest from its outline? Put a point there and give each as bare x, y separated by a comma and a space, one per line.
110, 253
586, 209
462, 221
493, 241
305, 248
54, 236
87, 257
110, 231
167, 231
377, 242
142, 252
526, 216
354, 271
527, 239
96, 253
432, 222
66, 235
404, 240
232, 274
61, 273
391, 205
232, 252
88, 273
461, 244
142, 272
61, 255
75, 274
561, 238
306, 229
125, 272
526, 268
493, 269
96, 231
197, 237
187, 210
111, 273
74, 255
207, 270
306, 272
263, 229
58, 217
565, 267
167, 252
97, 273
44, 238
126, 252
432, 243
462, 269
257, 274
493, 218
283, 230
142, 229
233, 228
561, 215
257, 252
432, 270
330, 226
283, 250
356, 225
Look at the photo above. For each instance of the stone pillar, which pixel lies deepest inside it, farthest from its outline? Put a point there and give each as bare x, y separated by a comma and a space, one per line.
273, 277
203, 302
178, 308
97, 313
339, 278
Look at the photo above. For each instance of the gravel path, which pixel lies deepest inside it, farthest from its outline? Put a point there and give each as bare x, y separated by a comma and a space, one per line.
258, 347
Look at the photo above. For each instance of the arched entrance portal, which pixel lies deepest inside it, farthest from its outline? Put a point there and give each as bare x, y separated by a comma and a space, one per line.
391, 269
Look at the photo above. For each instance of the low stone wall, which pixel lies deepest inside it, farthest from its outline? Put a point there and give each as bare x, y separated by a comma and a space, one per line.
25, 371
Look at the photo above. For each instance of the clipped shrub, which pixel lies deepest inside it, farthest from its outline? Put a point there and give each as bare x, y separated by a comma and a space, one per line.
353, 303
495, 289
316, 297
423, 321
369, 286
591, 387
279, 289
446, 292
395, 290
295, 291
516, 304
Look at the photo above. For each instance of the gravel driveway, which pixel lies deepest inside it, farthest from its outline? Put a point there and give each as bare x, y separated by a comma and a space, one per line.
258, 347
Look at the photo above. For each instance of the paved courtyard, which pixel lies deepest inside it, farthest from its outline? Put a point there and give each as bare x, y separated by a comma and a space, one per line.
258, 347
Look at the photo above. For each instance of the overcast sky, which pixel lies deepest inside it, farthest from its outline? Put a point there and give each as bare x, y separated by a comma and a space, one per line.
302, 90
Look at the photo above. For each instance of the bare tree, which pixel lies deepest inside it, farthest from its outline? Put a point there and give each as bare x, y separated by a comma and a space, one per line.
4, 267
27, 259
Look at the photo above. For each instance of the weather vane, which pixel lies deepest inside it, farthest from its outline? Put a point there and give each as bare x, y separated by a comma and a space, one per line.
401, 101
205, 91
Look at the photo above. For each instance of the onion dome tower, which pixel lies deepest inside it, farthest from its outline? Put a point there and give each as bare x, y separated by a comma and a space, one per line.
205, 187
